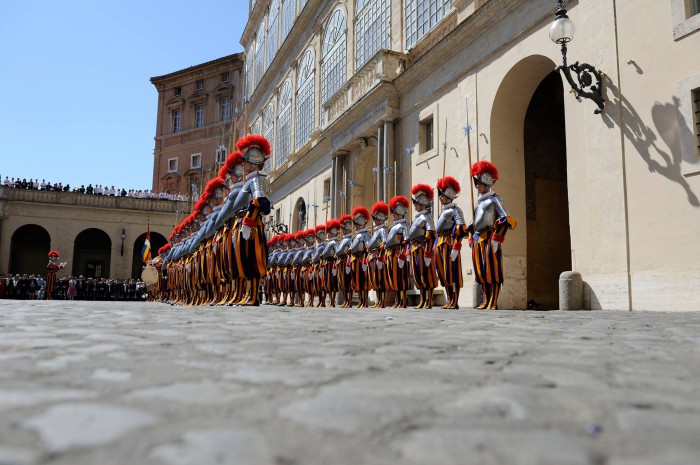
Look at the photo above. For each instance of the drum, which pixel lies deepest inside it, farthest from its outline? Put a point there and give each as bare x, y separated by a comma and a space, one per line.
149, 275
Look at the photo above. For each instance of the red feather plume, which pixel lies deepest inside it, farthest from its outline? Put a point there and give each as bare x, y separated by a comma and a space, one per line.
423, 188
345, 218
380, 207
332, 224
253, 140
236, 158
399, 199
319, 228
214, 183
448, 181
484, 166
360, 211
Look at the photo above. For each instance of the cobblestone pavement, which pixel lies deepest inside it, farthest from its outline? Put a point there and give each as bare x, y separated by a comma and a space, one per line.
140, 383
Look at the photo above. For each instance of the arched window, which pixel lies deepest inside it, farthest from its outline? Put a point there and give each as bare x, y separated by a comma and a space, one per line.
284, 124
334, 50
288, 15
372, 29
306, 90
269, 131
272, 26
421, 16
259, 55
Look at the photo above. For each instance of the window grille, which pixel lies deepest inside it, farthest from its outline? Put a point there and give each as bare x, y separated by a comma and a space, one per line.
421, 16
288, 16
305, 98
259, 56
334, 56
284, 124
199, 116
272, 28
269, 132
372, 30
176, 120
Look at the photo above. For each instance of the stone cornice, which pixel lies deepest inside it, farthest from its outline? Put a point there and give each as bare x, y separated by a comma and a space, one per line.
228, 63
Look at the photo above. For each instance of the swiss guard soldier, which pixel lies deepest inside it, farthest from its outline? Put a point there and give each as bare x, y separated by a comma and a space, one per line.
487, 232
330, 266
422, 239
375, 253
211, 241
450, 230
269, 281
307, 267
318, 287
232, 174
342, 254
358, 260
252, 244
397, 268
51, 269
296, 281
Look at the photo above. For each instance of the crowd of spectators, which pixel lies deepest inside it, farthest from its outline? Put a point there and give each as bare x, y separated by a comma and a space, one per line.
98, 189
72, 288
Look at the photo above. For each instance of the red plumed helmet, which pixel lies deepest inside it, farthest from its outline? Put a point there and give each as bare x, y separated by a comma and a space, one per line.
360, 211
213, 184
54, 252
255, 148
236, 158
289, 237
345, 218
380, 207
300, 236
205, 197
399, 203
485, 172
333, 224
422, 190
199, 205
449, 187
319, 228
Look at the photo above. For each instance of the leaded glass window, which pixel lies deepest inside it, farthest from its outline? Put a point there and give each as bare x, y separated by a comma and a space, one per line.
372, 29
259, 55
288, 16
306, 90
272, 27
421, 16
250, 72
284, 124
269, 132
334, 56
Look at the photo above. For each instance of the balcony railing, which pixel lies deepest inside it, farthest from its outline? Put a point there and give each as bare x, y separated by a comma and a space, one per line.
89, 200
384, 66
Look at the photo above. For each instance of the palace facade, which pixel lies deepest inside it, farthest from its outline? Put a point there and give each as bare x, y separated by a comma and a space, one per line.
361, 99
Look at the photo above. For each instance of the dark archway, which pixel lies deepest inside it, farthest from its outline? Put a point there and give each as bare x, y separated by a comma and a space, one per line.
546, 193
157, 241
299, 216
92, 253
29, 249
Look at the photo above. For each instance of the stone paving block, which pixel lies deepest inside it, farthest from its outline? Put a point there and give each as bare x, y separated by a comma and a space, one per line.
67, 426
221, 447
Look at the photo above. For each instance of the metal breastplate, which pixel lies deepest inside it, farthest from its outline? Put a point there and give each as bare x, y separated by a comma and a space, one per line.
418, 228
342, 248
359, 242
244, 197
308, 256
449, 218
272, 259
392, 239
329, 250
299, 257
378, 238
281, 258
227, 211
318, 253
487, 211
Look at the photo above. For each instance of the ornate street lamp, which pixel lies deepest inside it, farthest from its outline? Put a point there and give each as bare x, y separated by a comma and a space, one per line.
589, 84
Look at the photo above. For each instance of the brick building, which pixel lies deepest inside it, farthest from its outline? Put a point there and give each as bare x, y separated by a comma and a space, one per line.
194, 132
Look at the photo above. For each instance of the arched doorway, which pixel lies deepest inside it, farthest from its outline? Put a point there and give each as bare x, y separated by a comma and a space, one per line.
299, 216
523, 108
29, 249
546, 193
91, 254
157, 241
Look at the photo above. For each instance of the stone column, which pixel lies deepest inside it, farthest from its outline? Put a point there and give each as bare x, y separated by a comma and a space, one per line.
381, 176
391, 180
337, 182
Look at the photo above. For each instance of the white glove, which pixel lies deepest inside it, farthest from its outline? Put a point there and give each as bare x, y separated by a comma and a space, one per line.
245, 231
380, 265
335, 271
292, 274
347, 269
400, 262
427, 261
494, 246
277, 274
364, 267
454, 254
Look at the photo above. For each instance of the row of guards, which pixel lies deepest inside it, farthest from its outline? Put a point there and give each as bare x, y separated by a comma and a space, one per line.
219, 255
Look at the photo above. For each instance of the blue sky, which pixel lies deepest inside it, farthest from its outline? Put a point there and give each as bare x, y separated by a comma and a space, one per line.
76, 103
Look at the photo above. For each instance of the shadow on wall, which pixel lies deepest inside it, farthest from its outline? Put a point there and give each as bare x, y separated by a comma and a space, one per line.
666, 119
